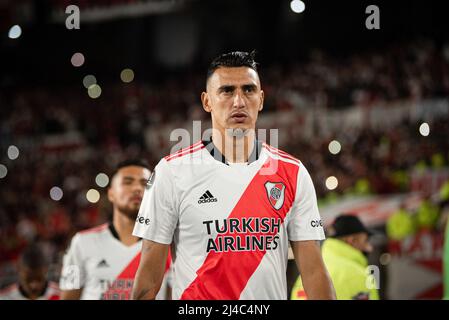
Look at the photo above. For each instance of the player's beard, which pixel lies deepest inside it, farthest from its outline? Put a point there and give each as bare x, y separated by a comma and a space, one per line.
129, 212
237, 133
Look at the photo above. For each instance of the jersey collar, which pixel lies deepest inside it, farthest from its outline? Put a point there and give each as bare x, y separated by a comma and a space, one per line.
216, 154
113, 231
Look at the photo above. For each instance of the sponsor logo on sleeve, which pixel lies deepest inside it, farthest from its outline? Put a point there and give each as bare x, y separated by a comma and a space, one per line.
143, 220
316, 223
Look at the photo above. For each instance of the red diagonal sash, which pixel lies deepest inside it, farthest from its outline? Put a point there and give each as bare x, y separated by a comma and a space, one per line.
224, 275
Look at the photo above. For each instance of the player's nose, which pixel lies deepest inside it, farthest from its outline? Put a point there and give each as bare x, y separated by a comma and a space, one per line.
138, 189
238, 102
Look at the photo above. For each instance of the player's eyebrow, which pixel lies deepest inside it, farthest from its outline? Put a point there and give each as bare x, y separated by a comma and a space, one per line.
226, 88
249, 86
128, 179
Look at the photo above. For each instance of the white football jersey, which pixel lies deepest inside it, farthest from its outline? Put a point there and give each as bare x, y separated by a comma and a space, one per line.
229, 224
13, 292
101, 265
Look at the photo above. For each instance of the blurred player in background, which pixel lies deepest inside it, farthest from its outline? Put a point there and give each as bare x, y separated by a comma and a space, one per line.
230, 205
345, 256
33, 283
101, 262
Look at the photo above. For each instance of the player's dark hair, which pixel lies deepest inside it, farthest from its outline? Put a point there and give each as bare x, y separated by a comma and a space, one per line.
127, 163
233, 59
33, 257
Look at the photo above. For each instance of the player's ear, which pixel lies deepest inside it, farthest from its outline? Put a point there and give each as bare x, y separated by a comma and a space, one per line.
110, 194
205, 101
262, 95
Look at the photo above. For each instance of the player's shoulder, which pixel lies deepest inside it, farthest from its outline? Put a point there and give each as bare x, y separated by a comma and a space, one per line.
282, 156
8, 290
92, 233
179, 156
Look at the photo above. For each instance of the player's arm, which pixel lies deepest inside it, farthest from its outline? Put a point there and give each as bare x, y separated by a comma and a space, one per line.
151, 270
315, 278
73, 273
71, 294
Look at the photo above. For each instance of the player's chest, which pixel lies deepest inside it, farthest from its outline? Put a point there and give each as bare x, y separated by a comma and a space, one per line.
109, 261
237, 199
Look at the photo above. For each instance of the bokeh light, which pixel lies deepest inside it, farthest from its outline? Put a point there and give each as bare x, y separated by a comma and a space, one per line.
15, 32
127, 75
385, 258
331, 183
297, 6
334, 147
93, 195
13, 152
3, 171
94, 91
424, 129
102, 180
89, 80
77, 59
56, 193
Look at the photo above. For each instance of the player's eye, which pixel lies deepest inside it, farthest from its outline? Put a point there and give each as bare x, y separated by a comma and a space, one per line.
249, 89
127, 181
227, 90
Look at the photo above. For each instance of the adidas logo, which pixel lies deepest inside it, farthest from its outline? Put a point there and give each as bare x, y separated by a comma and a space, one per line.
207, 197
102, 264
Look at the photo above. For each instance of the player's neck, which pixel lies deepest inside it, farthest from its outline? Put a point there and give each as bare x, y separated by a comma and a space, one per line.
234, 149
124, 227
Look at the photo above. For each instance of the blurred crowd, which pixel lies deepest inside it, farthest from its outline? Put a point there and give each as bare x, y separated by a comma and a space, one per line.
65, 138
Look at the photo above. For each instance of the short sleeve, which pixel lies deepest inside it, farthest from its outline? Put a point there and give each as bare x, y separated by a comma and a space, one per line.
73, 274
304, 221
157, 218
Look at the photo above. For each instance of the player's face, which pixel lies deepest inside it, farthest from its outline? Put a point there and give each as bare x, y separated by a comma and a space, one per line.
33, 281
127, 189
361, 241
234, 98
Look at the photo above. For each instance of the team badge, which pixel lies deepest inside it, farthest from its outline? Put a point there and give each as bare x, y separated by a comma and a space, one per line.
275, 193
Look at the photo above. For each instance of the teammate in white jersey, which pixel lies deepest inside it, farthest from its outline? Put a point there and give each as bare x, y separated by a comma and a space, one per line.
33, 281
231, 206
101, 262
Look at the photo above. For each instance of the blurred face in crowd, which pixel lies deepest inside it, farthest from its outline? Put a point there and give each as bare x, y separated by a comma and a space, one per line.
127, 188
360, 241
234, 98
33, 280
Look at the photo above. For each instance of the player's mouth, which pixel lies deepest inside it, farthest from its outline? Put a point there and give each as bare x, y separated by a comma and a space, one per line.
239, 116
136, 199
